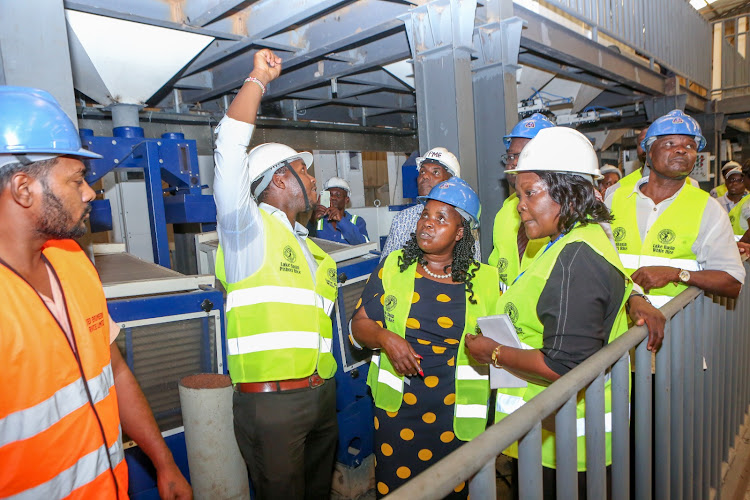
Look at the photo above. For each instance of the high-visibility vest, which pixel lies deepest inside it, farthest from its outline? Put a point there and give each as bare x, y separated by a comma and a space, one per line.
504, 254
629, 181
668, 242
352, 217
472, 378
735, 216
51, 442
278, 319
520, 304
721, 190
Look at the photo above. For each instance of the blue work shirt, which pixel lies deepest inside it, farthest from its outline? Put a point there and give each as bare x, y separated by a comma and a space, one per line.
350, 230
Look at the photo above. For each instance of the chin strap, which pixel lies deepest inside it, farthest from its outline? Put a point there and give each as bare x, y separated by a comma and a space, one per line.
308, 206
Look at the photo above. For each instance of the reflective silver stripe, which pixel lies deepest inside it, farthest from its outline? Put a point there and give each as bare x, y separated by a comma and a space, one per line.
26, 423
278, 294
354, 219
389, 379
471, 411
85, 470
468, 372
508, 404
273, 341
581, 425
659, 300
325, 345
635, 261
320, 224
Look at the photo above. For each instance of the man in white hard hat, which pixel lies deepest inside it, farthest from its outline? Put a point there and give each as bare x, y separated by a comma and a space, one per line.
333, 222
610, 176
281, 288
721, 189
436, 166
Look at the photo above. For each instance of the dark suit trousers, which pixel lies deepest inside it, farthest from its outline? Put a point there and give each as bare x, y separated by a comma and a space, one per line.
288, 440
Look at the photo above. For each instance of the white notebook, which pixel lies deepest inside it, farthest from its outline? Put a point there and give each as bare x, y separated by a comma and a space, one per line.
500, 329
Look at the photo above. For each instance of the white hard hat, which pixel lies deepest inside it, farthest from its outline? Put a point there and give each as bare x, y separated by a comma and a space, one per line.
730, 165
337, 182
442, 157
610, 169
264, 160
735, 170
559, 149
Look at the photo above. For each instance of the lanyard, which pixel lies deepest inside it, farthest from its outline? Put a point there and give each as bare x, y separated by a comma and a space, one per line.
545, 249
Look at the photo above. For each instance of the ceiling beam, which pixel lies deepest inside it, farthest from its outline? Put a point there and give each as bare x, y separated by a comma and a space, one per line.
212, 14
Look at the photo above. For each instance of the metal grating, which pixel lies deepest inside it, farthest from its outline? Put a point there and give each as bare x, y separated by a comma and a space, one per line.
162, 354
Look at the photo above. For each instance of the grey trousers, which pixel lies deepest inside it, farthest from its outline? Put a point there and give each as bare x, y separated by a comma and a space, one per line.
288, 440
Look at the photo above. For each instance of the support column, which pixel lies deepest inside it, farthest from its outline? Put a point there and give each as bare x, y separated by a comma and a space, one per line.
34, 49
440, 37
495, 106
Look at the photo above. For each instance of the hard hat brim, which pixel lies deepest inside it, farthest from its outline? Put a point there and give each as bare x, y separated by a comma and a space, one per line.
596, 177
82, 153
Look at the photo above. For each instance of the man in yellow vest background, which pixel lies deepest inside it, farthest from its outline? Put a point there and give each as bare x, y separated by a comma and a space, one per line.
669, 234
68, 394
281, 288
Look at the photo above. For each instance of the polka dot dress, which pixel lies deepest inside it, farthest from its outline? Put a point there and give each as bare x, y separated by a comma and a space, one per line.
420, 433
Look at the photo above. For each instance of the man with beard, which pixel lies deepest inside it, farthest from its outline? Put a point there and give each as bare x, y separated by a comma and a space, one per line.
436, 166
68, 393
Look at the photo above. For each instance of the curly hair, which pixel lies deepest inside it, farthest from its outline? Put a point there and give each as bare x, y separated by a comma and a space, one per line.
463, 267
577, 200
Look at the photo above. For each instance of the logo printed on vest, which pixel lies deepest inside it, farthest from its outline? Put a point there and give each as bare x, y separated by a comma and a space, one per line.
502, 264
331, 278
619, 234
512, 311
389, 303
289, 254
731, 219
95, 322
665, 237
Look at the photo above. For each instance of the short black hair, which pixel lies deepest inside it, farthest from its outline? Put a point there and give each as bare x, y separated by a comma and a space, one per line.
37, 170
262, 195
577, 200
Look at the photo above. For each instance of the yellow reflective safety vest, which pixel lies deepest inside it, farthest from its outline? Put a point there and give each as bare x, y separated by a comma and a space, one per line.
721, 190
520, 304
669, 241
735, 216
278, 320
629, 181
472, 378
504, 254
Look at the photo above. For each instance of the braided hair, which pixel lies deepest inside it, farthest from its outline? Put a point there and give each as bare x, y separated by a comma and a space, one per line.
463, 267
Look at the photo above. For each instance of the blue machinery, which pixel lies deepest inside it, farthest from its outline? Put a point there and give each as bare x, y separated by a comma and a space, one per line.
172, 159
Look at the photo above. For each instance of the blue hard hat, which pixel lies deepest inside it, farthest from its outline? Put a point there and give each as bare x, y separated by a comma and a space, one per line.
674, 123
528, 128
33, 123
457, 192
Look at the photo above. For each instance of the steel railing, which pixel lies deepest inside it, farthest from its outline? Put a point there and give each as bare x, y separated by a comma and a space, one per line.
701, 395
671, 32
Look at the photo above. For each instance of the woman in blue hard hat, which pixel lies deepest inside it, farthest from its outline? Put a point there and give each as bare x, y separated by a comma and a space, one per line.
429, 395
570, 300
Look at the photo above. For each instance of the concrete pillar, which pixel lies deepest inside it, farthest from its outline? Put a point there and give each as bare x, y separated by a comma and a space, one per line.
34, 49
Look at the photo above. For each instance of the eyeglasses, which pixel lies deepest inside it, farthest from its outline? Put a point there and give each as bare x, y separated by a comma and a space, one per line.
734, 179
509, 158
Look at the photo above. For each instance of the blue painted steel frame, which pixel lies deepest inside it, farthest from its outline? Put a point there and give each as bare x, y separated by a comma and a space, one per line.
172, 159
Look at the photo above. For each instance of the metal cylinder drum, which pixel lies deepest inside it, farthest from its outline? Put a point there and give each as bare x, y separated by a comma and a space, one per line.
217, 469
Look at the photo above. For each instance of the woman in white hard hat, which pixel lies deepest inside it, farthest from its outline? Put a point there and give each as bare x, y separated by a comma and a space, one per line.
570, 301
611, 175
445, 400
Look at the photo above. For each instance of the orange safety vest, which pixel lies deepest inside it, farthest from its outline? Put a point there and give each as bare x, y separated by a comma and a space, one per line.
53, 444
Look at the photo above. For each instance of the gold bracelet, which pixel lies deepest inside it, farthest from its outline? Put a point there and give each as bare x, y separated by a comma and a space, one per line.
496, 356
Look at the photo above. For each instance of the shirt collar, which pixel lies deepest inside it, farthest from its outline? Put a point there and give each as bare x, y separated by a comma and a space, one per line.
644, 180
298, 228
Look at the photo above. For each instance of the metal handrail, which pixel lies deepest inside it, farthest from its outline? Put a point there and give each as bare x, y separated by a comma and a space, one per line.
479, 454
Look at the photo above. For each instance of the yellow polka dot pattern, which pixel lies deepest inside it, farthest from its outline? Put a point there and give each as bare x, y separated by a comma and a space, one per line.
450, 399
380, 324
377, 423
408, 434
359, 303
445, 322
382, 300
452, 341
414, 297
386, 449
410, 398
380, 273
423, 342
447, 437
424, 455
403, 472
443, 298
431, 381
452, 361
438, 350
394, 413
417, 275
460, 487
429, 417
412, 323
382, 488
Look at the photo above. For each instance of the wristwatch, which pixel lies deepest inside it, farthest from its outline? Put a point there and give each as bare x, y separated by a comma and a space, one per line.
684, 275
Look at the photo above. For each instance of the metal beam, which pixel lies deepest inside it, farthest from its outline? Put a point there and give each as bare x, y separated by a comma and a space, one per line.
570, 73
554, 41
93, 7
733, 105
380, 78
377, 100
210, 15
377, 53
266, 18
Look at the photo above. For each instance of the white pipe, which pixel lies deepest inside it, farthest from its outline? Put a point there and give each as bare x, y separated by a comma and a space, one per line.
217, 469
